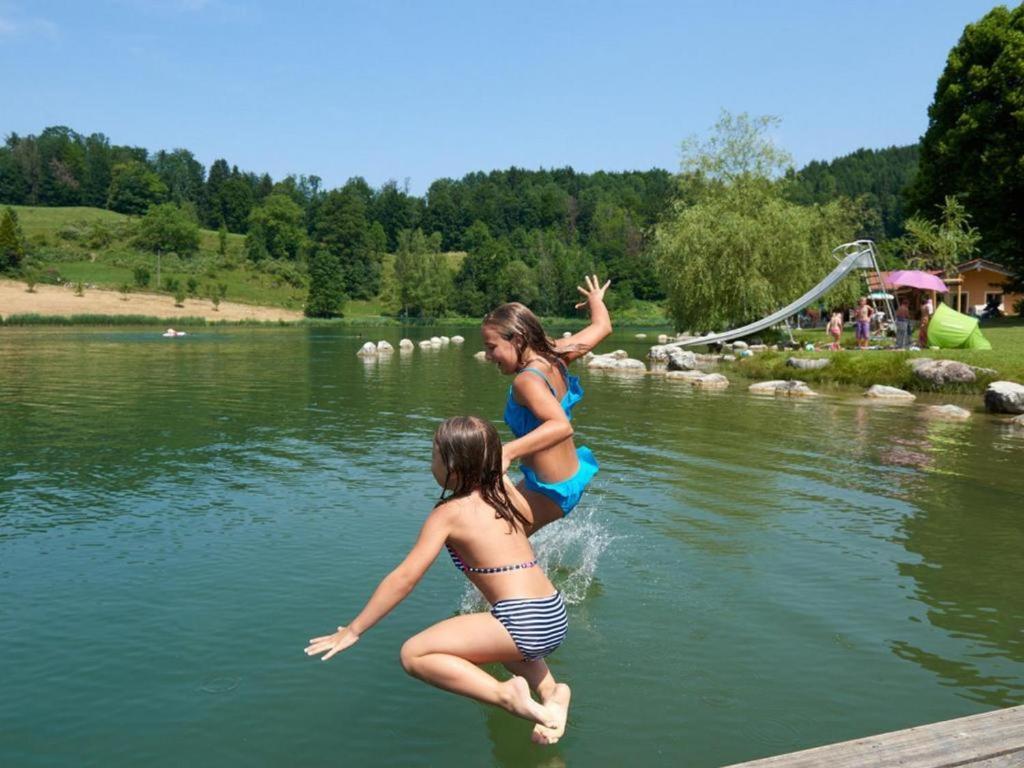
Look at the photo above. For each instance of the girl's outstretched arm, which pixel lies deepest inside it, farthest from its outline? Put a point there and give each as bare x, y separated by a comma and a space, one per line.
394, 587
600, 326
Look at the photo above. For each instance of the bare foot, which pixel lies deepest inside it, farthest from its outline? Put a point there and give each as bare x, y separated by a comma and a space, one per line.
558, 704
519, 702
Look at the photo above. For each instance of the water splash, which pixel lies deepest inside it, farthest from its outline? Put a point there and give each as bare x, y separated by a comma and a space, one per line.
568, 550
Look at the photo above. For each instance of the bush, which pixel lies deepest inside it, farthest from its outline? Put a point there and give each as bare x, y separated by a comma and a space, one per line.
79, 288
171, 285
141, 274
70, 232
98, 235
168, 228
49, 276
31, 278
125, 290
179, 297
193, 286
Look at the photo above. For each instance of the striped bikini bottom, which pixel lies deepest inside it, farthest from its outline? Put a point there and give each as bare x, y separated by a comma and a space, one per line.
538, 625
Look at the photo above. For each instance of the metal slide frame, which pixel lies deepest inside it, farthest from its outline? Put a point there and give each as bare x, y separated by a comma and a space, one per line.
860, 254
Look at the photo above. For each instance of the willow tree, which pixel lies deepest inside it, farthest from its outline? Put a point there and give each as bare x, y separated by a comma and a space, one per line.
734, 248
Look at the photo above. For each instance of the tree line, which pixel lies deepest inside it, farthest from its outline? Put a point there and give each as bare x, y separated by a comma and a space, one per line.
530, 234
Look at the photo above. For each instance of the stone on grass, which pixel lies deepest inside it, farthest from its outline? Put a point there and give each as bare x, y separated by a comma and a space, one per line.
939, 372
882, 392
808, 364
947, 412
369, 349
728, 358
1004, 397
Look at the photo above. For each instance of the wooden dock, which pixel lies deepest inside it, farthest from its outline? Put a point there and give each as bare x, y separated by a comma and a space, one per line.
990, 740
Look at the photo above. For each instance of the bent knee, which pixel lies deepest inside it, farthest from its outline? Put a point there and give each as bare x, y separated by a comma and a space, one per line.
409, 655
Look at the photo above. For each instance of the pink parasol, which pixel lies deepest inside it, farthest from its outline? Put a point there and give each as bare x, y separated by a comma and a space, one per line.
915, 278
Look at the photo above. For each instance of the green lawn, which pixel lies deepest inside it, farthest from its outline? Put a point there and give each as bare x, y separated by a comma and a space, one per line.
864, 368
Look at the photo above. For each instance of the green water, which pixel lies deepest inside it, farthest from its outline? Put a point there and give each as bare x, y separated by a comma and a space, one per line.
747, 576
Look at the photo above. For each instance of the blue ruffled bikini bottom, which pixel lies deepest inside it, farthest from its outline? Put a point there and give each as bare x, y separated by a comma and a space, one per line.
565, 493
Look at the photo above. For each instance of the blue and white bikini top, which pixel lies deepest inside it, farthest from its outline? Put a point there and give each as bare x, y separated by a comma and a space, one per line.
521, 420
461, 565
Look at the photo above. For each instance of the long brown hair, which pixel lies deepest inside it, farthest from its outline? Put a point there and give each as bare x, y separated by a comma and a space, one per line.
470, 451
517, 324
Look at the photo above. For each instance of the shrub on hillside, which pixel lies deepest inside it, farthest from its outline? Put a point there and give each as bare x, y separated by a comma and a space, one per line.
168, 228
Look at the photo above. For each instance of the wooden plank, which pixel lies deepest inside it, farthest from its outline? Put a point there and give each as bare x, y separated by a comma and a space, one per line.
989, 740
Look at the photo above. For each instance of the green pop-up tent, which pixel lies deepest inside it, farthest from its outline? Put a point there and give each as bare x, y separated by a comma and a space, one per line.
950, 329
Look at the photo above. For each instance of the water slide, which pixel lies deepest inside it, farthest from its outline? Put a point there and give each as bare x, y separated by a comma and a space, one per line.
859, 255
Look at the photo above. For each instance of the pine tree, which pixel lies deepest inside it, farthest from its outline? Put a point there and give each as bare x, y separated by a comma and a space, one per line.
326, 285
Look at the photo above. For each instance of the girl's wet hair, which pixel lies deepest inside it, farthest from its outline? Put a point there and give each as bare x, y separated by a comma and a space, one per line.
518, 325
470, 451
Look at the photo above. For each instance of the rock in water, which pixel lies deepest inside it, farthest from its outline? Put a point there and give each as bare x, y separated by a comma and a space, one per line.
369, 349
882, 392
1004, 397
947, 412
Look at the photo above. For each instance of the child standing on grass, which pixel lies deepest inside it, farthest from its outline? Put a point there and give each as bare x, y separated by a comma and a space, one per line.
482, 524
835, 330
540, 402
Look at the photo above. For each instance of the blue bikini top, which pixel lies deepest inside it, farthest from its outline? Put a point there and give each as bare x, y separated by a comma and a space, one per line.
521, 420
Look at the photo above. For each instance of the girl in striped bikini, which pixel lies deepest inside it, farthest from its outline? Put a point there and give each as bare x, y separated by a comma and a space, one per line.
482, 522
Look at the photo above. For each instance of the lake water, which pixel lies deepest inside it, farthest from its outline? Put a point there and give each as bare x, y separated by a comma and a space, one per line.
747, 576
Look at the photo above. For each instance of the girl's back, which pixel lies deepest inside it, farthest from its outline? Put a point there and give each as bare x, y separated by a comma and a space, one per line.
495, 555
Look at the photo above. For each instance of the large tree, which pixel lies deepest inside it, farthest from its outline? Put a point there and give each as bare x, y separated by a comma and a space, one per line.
168, 227
275, 229
326, 285
134, 187
974, 145
742, 250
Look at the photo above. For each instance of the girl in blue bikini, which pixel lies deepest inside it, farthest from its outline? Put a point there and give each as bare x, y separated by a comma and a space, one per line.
482, 523
540, 402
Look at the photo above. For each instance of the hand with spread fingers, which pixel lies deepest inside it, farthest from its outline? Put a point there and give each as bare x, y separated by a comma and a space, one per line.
594, 290
332, 644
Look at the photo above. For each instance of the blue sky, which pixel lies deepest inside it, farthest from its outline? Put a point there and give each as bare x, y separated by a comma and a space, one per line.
418, 91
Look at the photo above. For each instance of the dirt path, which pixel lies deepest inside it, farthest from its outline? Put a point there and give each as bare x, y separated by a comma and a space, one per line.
61, 300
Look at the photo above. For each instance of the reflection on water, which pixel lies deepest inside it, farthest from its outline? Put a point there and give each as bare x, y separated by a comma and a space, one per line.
746, 575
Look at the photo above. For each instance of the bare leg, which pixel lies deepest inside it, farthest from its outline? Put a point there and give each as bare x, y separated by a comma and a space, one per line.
555, 696
446, 656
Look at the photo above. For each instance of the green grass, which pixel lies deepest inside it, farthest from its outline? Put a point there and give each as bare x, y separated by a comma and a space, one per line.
862, 369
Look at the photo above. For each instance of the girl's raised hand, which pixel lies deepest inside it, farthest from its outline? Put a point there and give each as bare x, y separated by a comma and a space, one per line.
333, 644
594, 290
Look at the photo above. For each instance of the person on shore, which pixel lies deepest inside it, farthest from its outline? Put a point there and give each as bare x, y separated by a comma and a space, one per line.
922, 331
540, 402
903, 324
835, 330
862, 320
481, 522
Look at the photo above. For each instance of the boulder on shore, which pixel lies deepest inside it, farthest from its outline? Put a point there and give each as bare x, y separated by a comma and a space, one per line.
1004, 397
808, 364
786, 388
947, 412
939, 372
882, 392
